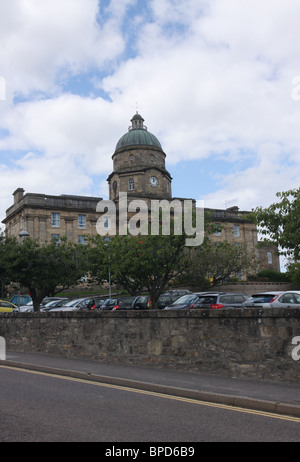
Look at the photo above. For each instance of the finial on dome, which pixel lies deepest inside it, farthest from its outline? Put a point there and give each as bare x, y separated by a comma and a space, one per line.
137, 122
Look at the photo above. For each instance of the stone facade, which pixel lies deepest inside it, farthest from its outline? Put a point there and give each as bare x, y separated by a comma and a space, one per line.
133, 169
47, 217
254, 343
139, 170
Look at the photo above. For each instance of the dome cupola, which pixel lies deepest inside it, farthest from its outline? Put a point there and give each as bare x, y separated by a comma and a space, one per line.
137, 135
139, 165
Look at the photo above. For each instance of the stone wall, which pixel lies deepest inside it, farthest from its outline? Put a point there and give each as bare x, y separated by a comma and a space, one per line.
254, 287
239, 343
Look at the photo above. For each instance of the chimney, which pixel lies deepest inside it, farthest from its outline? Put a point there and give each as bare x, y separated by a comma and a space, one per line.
18, 195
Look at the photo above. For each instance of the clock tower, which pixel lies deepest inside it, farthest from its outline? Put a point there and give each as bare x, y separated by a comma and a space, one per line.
139, 165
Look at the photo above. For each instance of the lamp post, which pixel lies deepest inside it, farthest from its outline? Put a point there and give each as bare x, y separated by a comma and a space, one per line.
107, 239
22, 235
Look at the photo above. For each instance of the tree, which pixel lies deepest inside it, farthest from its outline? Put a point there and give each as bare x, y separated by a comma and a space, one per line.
45, 269
293, 272
138, 262
280, 223
215, 263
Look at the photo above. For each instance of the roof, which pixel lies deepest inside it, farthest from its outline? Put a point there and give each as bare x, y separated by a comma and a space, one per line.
138, 135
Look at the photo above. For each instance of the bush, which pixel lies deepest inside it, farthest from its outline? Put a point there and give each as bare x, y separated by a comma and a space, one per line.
273, 276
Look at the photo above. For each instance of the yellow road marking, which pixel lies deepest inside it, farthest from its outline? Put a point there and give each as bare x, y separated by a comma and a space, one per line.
159, 395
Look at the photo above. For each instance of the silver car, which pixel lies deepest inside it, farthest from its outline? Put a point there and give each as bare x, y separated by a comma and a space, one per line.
262, 300
73, 305
289, 299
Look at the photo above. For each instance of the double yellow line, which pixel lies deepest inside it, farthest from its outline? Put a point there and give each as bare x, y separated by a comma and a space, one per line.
159, 395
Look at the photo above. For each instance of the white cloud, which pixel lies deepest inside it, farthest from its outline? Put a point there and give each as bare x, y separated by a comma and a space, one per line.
213, 79
39, 39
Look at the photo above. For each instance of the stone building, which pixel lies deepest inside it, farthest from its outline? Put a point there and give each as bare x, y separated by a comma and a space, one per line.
47, 217
139, 169
139, 165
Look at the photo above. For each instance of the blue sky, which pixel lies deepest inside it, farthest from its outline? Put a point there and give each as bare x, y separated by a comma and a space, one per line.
216, 82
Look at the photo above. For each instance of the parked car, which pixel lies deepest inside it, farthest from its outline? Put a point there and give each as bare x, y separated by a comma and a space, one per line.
143, 302
24, 308
54, 304
6, 307
176, 293
78, 304
20, 300
47, 300
96, 303
288, 299
220, 300
262, 300
119, 303
185, 302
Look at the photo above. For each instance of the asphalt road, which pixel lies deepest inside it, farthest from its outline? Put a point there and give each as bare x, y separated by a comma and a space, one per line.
35, 407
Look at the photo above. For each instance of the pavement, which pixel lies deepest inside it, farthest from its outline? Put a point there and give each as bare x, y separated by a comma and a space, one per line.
275, 397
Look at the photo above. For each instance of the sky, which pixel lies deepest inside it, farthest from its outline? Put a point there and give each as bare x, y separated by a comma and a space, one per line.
217, 82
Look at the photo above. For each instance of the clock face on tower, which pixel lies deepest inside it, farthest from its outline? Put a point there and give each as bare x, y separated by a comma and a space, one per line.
153, 181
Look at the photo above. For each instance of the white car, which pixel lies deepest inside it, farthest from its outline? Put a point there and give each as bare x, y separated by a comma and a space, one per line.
289, 299
73, 305
262, 300
24, 308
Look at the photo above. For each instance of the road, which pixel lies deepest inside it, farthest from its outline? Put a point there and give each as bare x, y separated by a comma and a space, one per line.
37, 407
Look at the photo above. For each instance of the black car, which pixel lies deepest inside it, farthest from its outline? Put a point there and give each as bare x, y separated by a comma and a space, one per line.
185, 302
221, 300
143, 302
176, 293
121, 303
95, 303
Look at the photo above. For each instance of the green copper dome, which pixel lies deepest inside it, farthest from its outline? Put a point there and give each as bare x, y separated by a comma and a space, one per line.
138, 135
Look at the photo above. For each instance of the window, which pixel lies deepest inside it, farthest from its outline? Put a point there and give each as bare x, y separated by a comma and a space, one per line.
81, 221
81, 240
106, 223
236, 230
226, 299
55, 220
131, 184
218, 232
270, 259
239, 298
55, 237
287, 298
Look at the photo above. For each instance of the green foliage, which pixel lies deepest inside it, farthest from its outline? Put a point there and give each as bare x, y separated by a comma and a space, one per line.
213, 264
280, 222
293, 271
271, 275
139, 262
44, 268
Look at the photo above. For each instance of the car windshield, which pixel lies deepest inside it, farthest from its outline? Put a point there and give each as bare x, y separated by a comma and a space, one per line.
110, 301
73, 302
207, 299
142, 299
185, 299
